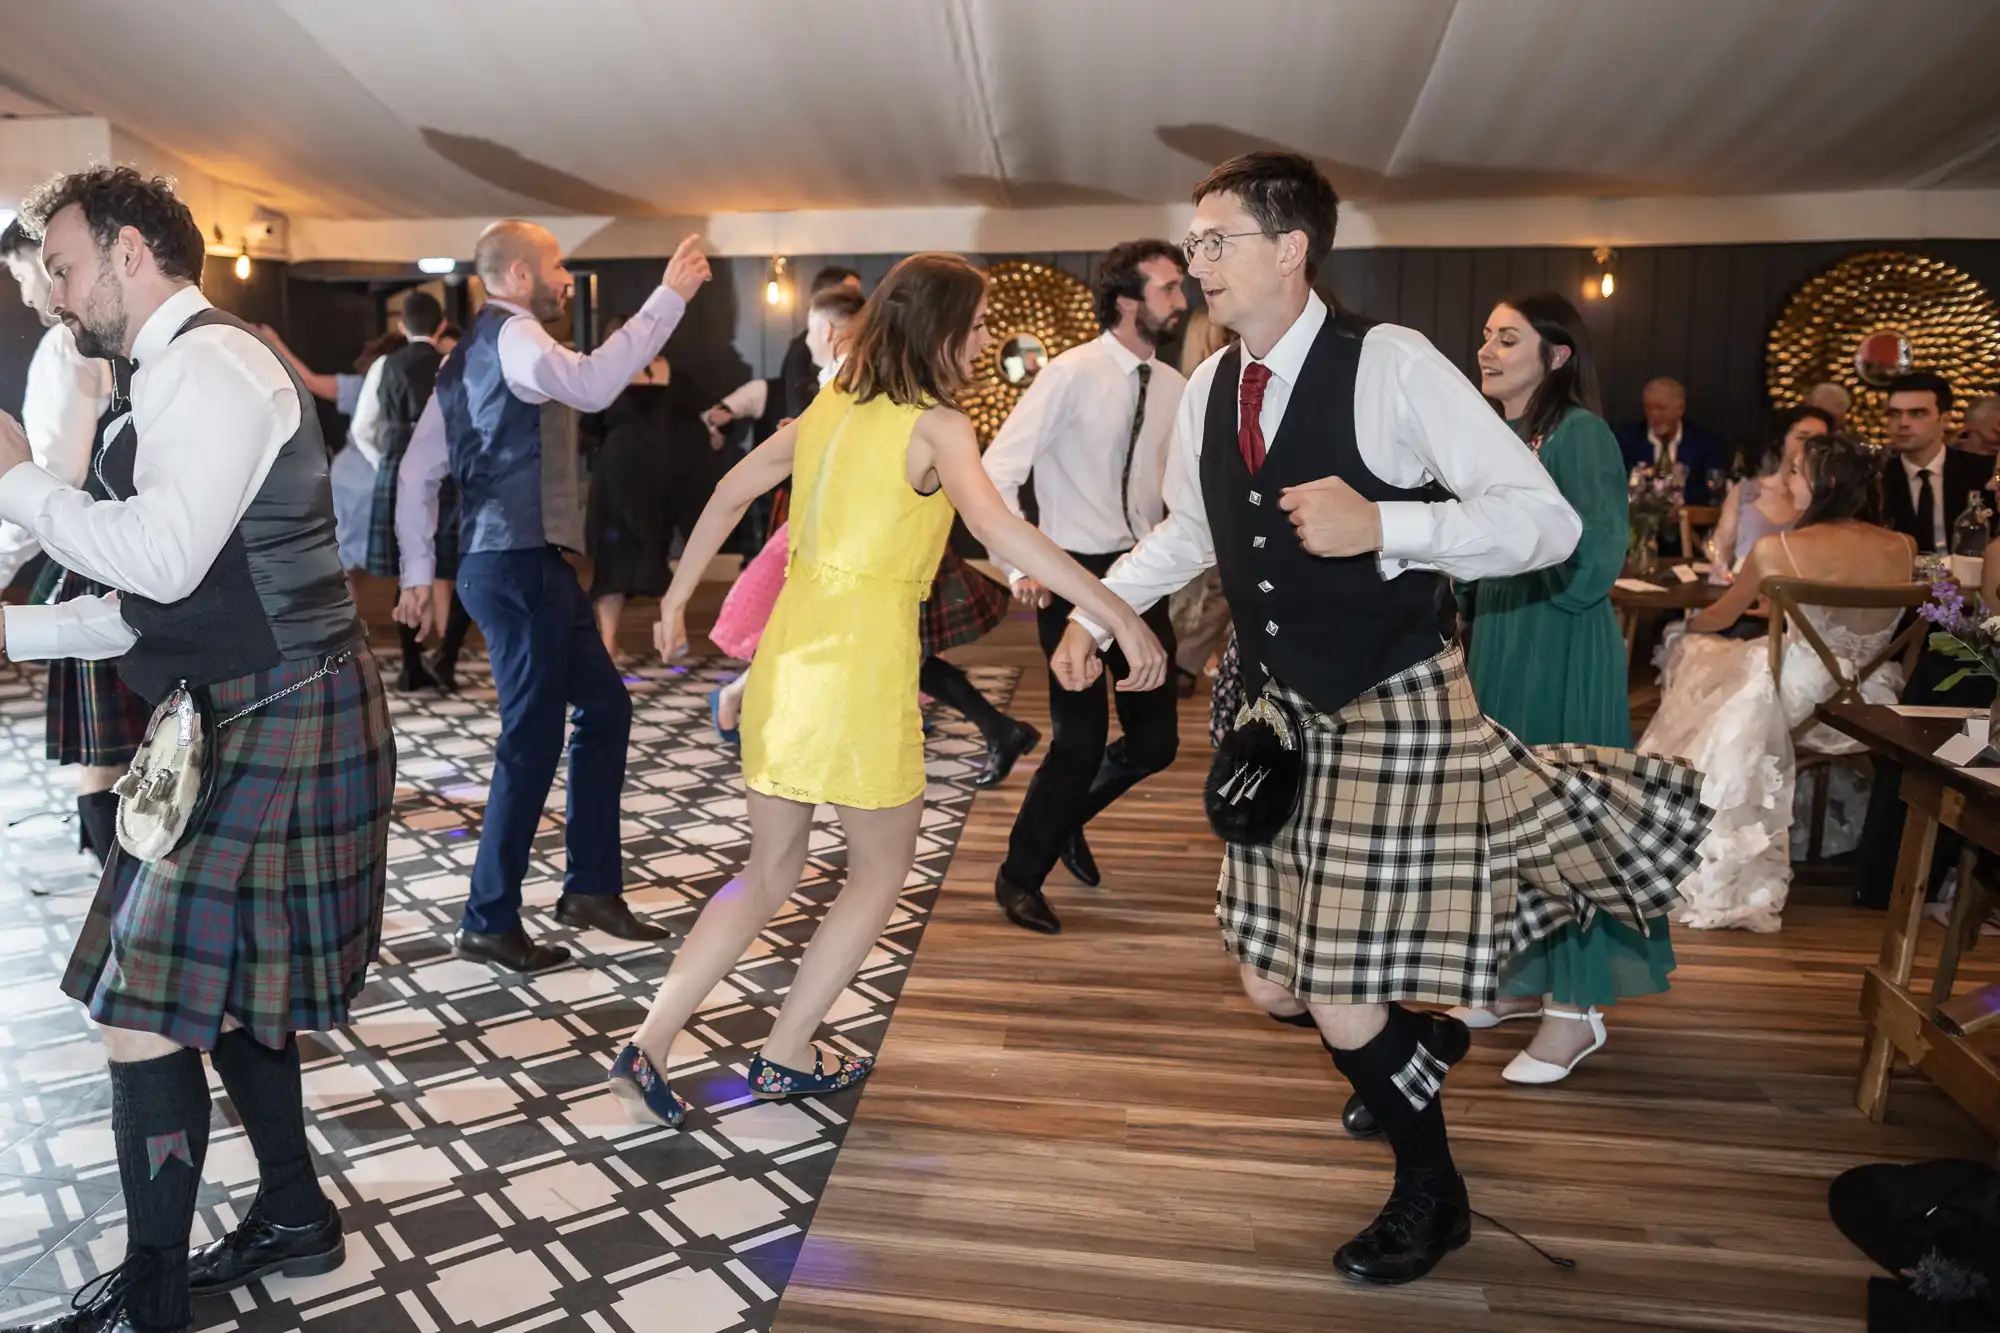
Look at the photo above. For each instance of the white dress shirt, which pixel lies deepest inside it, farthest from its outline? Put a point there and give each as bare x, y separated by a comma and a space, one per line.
1911, 474
212, 409
1416, 420
538, 369
364, 428
1071, 430
66, 395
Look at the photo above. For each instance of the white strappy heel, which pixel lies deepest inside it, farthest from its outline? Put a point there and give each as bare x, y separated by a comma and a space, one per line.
1525, 1068
1481, 1019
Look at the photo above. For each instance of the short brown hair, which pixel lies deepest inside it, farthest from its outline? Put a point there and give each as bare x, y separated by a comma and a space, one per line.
907, 341
838, 303
113, 198
1283, 192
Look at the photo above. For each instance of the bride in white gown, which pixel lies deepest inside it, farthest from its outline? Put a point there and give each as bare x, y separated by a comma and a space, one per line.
1721, 711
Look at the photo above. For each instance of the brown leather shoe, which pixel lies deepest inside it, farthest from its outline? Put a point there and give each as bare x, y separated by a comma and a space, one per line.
608, 912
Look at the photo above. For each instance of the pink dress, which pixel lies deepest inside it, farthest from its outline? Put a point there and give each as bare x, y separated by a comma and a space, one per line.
747, 608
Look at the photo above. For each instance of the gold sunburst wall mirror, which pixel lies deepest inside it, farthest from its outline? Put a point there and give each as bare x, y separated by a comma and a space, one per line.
1874, 316
1035, 314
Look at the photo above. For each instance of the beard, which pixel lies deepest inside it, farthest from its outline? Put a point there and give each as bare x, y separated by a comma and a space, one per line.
545, 302
1159, 332
100, 325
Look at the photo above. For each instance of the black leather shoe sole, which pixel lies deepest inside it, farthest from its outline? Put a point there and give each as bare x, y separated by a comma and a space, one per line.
535, 958
1001, 759
1029, 911
301, 1265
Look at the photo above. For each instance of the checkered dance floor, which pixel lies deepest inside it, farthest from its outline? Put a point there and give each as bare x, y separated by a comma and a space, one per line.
486, 1178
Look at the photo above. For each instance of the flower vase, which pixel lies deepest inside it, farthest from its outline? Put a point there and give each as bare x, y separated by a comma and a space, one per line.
1642, 553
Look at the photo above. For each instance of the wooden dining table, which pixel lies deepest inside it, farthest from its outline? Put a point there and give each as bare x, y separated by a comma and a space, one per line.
1667, 593
1931, 1031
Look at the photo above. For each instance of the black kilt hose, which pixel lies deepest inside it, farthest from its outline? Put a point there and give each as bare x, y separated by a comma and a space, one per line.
1429, 844
92, 718
963, 607
272, 911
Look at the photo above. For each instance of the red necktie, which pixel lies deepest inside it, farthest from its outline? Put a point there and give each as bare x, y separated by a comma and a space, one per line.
1250, 400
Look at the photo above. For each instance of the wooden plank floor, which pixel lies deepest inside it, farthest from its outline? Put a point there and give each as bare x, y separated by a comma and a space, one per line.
1097, 1133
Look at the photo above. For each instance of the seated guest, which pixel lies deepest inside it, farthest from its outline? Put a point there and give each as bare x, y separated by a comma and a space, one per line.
1925, 484
1722, 712
1982, 426
1831, 398
1666, 437
1763, 503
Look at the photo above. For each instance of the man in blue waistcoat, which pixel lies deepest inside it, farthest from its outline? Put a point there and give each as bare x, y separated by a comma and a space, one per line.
503, 422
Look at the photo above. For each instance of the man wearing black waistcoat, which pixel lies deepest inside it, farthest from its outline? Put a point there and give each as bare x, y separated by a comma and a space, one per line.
218, 535
1424, 839
1092, 429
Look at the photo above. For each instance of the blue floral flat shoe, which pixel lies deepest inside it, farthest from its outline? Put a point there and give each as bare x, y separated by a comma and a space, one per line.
715, 716
774, 1083
643, 1088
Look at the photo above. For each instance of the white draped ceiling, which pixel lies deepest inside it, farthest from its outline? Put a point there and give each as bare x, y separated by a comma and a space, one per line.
400, 110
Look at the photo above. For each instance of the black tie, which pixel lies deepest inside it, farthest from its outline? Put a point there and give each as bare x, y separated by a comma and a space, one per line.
1131, 447
1926, 533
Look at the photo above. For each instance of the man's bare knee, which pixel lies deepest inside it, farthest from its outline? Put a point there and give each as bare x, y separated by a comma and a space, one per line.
123, 1046
1267, 993
1349, 1027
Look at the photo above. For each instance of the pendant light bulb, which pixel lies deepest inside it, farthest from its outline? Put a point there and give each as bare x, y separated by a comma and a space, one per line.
243, 267
1607, 285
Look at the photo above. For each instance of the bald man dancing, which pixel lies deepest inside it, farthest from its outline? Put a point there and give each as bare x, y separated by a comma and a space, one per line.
498, 423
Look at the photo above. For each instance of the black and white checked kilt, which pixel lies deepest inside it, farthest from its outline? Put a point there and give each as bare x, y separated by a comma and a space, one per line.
1429, 844
272, 912
92, 718
963, 607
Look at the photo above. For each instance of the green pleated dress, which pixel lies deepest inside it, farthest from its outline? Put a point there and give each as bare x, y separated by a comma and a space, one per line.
1548, 663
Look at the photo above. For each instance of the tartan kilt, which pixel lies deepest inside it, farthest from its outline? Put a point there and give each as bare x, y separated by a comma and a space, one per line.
384, 559
93, 718
963, 607
1429, 844
272, 911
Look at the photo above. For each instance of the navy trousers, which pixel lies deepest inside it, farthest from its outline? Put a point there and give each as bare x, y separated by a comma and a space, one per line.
547, 660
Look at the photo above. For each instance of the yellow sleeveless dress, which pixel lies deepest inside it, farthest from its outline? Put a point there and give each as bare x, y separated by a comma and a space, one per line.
830, 712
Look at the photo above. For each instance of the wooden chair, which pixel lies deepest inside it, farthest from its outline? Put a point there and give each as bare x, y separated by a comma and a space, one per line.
1788, 596
1697, 518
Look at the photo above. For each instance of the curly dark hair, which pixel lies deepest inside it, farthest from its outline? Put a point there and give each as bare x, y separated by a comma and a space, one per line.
15, 241
1118, 275
113, 198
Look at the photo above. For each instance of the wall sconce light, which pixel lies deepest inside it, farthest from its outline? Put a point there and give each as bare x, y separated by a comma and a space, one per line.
436, 267
777, 283
243, 266
1600, 285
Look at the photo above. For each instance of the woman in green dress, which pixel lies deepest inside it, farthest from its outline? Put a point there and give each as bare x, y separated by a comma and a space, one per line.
1548, 663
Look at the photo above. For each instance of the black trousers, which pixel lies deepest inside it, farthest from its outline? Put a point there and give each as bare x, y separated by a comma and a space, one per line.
1082, 774
1882, 834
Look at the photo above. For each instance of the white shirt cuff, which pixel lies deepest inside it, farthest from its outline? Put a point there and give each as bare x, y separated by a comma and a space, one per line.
23, 491
1094, 630
1406, 532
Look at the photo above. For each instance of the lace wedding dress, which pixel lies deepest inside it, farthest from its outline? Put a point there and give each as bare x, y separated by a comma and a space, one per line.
1721, 712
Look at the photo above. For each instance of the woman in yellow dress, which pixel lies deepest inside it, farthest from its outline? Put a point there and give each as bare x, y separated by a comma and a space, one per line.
879, 462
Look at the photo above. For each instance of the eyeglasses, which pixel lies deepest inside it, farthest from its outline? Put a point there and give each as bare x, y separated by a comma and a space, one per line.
1210, 244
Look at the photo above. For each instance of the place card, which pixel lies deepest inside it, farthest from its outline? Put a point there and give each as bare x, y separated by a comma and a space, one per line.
1685, 573
1961, 749
1934, 710
1635, 585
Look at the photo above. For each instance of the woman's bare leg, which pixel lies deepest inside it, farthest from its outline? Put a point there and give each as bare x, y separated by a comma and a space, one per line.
730, 921
881, 845
609, 608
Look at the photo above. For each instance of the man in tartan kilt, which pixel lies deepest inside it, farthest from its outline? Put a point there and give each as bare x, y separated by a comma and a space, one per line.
94, 722
217, 535
1426, 843
963, 607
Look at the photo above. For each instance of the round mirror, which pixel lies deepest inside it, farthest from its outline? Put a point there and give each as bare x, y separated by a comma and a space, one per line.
1022, 357
1881, 356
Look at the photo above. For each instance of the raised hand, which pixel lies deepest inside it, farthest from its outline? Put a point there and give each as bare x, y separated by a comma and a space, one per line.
688, 269
14, 449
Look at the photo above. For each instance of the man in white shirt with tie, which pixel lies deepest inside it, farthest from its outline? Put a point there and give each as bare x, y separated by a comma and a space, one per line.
1092, 428
1338, 474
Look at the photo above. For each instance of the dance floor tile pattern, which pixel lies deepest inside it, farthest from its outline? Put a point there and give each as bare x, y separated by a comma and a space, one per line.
486, 1178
